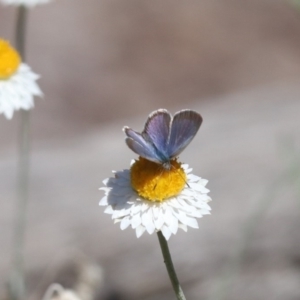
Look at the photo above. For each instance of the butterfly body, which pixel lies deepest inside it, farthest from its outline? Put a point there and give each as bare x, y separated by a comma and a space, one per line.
164, 137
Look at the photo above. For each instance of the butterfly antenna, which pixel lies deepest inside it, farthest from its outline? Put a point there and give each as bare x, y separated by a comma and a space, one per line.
163, 169
181, 176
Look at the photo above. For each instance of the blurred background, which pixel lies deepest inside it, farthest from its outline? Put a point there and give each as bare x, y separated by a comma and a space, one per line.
106, 64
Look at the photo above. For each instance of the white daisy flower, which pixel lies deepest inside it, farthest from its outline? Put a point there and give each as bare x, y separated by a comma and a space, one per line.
151, 198
17, 82
27, 3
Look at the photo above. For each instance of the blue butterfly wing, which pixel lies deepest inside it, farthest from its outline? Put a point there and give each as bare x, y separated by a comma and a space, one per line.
184, 127
157, 130
137, 143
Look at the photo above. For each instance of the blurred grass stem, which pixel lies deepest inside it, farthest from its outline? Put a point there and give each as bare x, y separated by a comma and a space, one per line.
170, 268
21, 30
292, 175
17, 282
233, 268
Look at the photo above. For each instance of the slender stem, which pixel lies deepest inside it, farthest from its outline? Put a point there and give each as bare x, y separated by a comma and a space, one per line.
169, 265
21, 30
17, 282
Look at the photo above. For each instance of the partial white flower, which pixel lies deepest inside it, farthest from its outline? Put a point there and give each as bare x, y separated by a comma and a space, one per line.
56, 292
17, 82
28, 3
126, 206
18, 91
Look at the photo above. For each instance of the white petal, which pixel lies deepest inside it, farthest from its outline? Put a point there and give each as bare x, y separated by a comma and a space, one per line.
136, 221
125, 223
192, 222
103, 201
139, 231
196, 186
183, 227
109, 210
168, 214
136, 207
159, 221
120, 213
166, 232
172, 224
147, 221
105, 181
192, 178
180, 216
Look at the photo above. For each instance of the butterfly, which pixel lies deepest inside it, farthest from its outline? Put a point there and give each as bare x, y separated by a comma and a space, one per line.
164, 137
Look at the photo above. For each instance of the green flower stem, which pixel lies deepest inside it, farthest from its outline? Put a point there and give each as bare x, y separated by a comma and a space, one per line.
17, 282
169, 265
21, 30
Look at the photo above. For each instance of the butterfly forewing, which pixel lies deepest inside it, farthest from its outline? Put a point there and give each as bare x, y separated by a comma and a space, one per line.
184, 127
140, 146
157, 129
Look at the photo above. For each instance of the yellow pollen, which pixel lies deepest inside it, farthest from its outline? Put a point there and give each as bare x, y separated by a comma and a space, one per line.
9, 60
155, 183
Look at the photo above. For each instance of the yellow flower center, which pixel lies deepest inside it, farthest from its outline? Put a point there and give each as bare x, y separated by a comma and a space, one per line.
9, 60
154, 182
